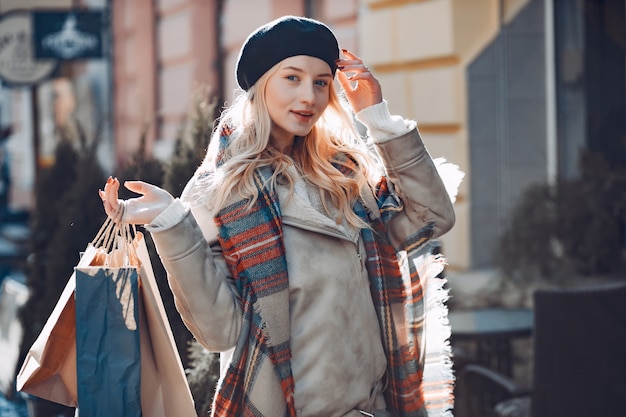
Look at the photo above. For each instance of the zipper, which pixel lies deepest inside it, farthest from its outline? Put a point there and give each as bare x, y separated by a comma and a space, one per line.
320, 229
328, 231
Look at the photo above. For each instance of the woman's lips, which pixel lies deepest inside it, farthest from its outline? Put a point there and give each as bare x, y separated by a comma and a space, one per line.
303, 116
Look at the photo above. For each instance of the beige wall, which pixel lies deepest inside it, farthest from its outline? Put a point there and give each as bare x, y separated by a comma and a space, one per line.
134, 77
164, 51
185, 61
419, 49
342, 18
511, 8
240, 17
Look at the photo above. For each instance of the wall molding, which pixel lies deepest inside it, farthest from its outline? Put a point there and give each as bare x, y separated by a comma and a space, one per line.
440, 128
385, 4
421, 64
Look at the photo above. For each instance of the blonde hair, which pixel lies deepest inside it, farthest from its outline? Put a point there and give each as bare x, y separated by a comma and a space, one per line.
332, 142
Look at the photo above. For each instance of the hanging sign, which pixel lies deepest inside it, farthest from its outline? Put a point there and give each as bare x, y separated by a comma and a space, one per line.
17, 64
68, 35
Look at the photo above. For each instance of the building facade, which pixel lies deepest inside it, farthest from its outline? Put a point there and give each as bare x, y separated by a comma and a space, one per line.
506, 89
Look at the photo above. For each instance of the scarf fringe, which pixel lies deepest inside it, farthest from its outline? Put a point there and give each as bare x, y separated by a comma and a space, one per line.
438, 372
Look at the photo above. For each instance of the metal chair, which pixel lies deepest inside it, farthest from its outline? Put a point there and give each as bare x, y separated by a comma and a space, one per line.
579, 360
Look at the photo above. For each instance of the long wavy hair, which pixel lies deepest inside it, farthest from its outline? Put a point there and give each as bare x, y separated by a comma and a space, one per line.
332, 156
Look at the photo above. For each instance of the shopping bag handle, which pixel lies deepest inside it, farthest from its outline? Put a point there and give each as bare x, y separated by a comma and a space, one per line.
115, 234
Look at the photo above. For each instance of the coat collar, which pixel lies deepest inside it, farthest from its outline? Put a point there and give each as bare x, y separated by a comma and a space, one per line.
303, 208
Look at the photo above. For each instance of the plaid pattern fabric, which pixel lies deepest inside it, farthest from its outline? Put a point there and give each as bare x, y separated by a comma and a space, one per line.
253, 247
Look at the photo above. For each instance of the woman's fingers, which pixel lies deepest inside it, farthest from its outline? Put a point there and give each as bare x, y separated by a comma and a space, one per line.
350, 55
110, 197
139, 187
362, 89
352, 63
363, 75
349, 87
353, 67
138, 210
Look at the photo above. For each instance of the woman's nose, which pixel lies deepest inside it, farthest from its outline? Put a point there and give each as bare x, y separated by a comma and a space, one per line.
307, 93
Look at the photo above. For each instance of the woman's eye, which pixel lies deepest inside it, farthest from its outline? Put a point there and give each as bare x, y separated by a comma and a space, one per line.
292, 78
321, 83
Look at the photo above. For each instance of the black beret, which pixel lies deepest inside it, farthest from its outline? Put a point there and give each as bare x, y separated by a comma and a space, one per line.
283, 38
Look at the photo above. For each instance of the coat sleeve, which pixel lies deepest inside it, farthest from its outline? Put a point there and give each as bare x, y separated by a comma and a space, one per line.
411, 174
203, 288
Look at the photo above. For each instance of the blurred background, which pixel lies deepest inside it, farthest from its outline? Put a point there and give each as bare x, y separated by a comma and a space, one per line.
528, 97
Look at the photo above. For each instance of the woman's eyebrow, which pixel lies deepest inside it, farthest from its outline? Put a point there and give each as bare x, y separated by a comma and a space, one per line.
292, 68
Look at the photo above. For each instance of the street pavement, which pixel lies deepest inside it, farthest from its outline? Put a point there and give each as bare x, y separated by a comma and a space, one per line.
13, 294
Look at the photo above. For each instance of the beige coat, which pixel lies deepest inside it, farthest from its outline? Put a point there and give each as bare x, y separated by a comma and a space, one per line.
315, 246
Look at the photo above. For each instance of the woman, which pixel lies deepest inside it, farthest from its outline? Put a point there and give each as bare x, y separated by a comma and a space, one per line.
284, 250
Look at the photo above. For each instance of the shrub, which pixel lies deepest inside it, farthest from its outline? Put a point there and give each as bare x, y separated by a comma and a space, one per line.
67, 215
576, 227
202, 375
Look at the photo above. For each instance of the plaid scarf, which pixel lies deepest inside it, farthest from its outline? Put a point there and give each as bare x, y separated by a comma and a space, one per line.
252, 242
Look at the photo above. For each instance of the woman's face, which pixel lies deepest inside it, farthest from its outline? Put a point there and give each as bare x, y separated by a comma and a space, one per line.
296, 96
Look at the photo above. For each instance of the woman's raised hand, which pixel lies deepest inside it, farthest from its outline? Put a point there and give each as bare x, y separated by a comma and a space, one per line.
139, 210
362, 88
